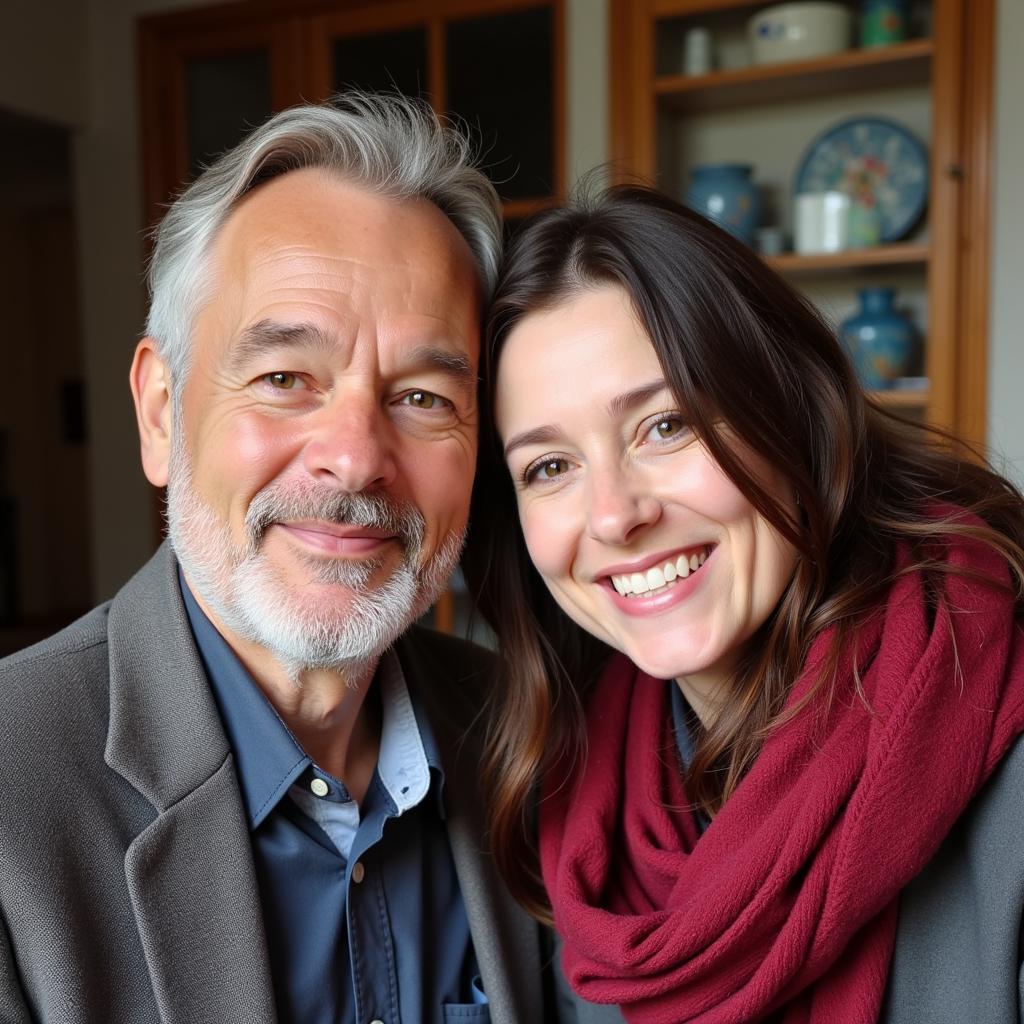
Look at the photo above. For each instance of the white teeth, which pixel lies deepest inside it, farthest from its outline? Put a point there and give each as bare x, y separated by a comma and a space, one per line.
659, 577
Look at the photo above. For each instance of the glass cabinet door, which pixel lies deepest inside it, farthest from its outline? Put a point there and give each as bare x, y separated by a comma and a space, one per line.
386, 61
205, 85
225, 96
500, 80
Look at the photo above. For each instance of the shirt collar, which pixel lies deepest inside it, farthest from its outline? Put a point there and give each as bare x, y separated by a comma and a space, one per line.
268, 757
408, 750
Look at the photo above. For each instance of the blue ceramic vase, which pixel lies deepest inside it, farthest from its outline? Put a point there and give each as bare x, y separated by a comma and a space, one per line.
725, 194
883, 22
878, 339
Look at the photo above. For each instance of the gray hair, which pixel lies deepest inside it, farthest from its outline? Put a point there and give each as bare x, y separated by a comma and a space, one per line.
392, 145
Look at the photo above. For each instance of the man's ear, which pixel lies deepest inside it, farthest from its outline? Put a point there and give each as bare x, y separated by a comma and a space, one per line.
151, 389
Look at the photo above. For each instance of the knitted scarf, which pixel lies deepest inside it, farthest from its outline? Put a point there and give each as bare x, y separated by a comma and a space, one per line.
786, 906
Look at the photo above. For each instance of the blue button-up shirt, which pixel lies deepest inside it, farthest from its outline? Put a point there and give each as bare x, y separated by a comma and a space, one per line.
362, 908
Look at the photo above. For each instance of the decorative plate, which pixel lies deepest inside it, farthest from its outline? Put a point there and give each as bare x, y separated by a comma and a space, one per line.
878, 163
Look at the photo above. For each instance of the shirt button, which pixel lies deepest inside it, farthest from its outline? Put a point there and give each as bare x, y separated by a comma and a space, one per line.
319, 787
358, 873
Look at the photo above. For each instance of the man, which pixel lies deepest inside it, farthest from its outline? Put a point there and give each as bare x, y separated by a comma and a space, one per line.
242, 790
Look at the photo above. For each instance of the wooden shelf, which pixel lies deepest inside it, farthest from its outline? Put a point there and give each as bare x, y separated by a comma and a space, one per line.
884, 67
895, 398
517, 209
895, 255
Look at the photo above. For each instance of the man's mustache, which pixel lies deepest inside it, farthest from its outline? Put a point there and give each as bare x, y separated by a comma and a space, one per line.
284, 502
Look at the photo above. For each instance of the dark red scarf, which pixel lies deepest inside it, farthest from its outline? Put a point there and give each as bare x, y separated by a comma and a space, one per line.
787, 904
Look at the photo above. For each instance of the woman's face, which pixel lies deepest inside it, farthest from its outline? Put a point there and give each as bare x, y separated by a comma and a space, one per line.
640, 537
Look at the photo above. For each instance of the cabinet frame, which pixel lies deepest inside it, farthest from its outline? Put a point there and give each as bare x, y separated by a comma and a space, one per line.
961, 86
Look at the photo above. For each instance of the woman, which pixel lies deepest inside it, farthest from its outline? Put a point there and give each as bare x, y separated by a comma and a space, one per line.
761, 641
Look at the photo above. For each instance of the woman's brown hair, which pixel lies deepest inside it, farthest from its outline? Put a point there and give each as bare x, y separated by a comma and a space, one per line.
741, 349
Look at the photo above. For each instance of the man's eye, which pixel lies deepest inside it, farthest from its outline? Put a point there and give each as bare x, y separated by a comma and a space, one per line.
282, 380
423, 399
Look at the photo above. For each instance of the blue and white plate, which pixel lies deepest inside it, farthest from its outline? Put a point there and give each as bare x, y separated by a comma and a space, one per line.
875, 161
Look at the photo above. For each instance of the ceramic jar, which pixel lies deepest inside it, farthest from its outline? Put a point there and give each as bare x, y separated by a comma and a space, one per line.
883, 22
879, 340
725, 194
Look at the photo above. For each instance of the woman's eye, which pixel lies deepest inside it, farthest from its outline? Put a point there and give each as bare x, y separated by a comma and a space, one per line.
282, 380
666, 428
547, 469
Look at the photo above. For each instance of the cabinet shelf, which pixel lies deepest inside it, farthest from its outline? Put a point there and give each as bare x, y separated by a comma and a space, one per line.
896, 398
518, 209
897, 255
900, 64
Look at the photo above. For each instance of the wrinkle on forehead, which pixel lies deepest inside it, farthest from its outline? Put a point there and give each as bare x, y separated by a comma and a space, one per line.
308, 246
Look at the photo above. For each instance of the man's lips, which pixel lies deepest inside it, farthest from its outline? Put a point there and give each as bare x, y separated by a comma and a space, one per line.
345, 539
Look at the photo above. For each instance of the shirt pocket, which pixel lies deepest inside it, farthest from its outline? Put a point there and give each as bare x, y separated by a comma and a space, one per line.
466, 1012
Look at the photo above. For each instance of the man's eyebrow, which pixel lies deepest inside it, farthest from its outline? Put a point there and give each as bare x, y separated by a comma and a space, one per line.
432, 357
616, 407
266, 336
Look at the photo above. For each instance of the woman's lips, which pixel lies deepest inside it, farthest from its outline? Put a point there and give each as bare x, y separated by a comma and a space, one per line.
666, 594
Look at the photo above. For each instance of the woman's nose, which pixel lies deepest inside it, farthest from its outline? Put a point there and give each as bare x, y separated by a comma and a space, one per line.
618, 505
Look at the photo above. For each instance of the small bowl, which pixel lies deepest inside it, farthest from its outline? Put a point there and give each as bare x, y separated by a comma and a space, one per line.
799, 31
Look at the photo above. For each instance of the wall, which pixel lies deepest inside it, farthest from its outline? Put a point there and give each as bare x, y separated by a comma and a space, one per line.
43, 64
110, 210
1006, 339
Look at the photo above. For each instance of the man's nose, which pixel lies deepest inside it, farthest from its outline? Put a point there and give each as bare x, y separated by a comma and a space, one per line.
618, 504
350, 445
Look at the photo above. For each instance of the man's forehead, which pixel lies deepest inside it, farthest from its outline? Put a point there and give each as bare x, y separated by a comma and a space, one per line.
317, 207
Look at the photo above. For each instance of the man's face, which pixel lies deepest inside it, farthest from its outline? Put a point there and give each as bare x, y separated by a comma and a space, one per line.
324, 446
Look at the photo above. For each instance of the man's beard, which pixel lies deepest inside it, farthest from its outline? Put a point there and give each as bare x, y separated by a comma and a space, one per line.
306, 630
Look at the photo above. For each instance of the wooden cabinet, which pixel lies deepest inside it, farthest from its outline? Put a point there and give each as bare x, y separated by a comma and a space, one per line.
938, 82
497, 65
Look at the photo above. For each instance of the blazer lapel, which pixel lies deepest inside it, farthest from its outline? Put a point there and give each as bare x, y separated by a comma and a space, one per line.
505, 938
190, 874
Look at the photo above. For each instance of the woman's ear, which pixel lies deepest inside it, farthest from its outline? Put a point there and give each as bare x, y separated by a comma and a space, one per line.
151, 389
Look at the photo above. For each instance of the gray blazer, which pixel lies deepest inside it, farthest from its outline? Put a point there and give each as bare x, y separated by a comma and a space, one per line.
958, 942
127, 885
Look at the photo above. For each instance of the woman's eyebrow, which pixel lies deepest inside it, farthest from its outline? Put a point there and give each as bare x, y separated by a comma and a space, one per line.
637, 396
617, 406
538, 435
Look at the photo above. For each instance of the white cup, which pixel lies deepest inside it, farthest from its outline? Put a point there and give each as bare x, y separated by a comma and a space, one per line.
821, 222
697, 52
